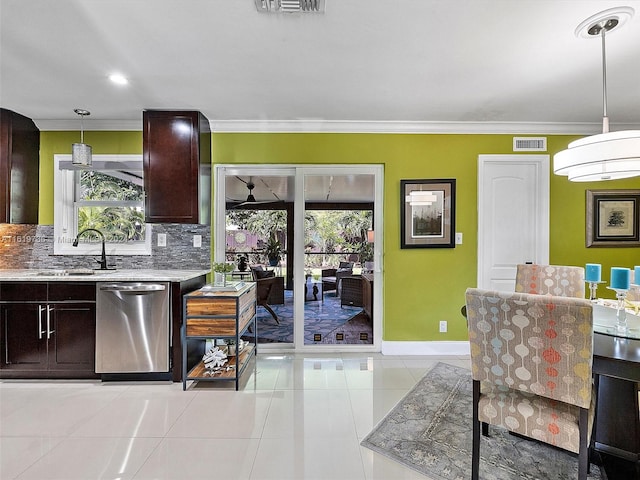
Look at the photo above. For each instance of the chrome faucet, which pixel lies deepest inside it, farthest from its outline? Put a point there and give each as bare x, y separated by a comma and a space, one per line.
103, 257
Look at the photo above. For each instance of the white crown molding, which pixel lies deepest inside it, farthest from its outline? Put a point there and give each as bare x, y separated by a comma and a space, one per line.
73, 125
305, 126
425, 127
345, 126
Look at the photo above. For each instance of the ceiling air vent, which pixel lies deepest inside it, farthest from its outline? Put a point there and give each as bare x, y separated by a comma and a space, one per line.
290, 6
529, 144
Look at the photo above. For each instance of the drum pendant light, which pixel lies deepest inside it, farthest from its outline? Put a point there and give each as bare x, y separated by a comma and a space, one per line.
609, 155
81, 152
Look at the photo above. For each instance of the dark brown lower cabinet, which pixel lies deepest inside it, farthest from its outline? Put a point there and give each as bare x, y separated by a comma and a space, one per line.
48, 329
72, 347
23, 345
49, 339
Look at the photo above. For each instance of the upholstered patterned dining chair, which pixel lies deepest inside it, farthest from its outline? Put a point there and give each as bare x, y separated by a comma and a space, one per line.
531, 358
559, 280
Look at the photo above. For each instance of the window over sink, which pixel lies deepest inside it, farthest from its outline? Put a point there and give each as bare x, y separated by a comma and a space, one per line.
107, 196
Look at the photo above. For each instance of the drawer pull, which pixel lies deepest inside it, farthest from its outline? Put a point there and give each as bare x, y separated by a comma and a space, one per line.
49, 331
40, 331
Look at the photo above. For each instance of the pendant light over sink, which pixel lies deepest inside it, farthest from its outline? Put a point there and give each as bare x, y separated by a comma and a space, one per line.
81, 152
609, 155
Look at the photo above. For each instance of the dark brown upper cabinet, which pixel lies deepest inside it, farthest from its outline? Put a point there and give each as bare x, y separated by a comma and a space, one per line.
177, 166
19, 168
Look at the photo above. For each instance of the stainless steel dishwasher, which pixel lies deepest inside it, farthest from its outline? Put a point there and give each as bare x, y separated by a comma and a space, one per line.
132, 327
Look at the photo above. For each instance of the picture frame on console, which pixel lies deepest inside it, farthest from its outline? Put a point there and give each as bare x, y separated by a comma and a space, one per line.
612, 218
427, 213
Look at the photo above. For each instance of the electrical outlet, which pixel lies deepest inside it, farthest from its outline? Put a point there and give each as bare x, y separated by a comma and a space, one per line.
197, 241
458, 238
443, 326
162, 239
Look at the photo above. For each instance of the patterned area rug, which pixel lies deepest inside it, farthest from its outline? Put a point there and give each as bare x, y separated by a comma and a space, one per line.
429, 430
321, 318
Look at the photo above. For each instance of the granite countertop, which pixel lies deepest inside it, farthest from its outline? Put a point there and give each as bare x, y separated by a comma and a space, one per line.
87, 275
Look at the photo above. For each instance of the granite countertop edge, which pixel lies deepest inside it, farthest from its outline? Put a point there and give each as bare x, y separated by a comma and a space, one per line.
124, 275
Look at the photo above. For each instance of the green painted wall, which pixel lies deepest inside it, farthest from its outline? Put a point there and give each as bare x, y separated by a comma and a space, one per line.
60, 143
422, 286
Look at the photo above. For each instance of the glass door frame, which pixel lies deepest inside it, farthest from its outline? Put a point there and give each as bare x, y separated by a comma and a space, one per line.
300, 171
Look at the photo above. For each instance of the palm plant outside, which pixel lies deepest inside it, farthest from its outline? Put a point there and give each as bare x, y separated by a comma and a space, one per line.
121, 222
328, 234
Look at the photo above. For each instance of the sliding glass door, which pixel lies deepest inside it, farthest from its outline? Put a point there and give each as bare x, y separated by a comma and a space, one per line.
338, 216
311, 231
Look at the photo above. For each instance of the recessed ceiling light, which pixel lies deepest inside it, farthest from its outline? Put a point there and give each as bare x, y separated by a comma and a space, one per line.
118, 79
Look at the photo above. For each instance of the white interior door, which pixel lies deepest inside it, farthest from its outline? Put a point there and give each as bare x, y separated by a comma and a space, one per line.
513, 216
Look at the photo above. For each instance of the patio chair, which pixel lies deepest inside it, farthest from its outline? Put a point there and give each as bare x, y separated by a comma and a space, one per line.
276, 297
264, 287
547, 393
331, 277
351, 291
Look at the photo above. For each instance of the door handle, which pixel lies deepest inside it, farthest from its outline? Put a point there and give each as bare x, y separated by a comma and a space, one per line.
49, 331
135, 288
40, 331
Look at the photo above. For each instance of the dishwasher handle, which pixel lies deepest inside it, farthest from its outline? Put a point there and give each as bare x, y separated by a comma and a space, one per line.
133, 288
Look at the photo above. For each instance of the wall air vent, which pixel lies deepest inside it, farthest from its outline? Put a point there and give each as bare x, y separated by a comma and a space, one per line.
290, 6
529, 144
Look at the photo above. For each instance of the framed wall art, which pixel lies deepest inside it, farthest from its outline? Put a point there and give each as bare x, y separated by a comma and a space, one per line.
427, 213
613, 218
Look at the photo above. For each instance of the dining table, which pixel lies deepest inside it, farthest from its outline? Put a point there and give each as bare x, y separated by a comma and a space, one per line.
616, 367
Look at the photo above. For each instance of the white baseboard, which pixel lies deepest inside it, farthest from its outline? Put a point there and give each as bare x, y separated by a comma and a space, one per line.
425, 348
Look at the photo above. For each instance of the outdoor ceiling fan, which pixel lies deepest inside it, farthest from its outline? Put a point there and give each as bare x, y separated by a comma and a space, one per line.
251, 200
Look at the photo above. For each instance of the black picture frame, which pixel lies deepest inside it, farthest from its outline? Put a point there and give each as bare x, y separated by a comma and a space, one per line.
427, 219
613, 218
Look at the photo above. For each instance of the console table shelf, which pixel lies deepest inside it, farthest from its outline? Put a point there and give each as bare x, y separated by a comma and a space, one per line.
199, 372
221, 316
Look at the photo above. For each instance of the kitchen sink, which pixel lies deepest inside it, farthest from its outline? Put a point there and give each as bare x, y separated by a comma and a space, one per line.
65, 272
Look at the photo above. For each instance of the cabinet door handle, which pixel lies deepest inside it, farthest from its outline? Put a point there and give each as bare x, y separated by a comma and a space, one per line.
40, 331
49, 331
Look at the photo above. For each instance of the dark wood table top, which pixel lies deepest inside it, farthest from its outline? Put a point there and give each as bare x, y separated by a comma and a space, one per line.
616, 357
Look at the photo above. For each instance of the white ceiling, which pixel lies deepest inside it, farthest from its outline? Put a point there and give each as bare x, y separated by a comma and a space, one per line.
364, 65
318, 188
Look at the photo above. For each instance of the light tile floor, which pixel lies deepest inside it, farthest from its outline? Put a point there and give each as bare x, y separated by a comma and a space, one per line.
300, 416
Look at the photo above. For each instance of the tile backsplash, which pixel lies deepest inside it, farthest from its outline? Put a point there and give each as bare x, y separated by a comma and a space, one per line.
31, 247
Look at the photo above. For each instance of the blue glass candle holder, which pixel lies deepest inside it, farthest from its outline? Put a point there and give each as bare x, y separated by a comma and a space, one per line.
593, 290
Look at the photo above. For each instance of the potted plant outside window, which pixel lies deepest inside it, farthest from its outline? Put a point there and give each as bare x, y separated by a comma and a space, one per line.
273, 249
243, 262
